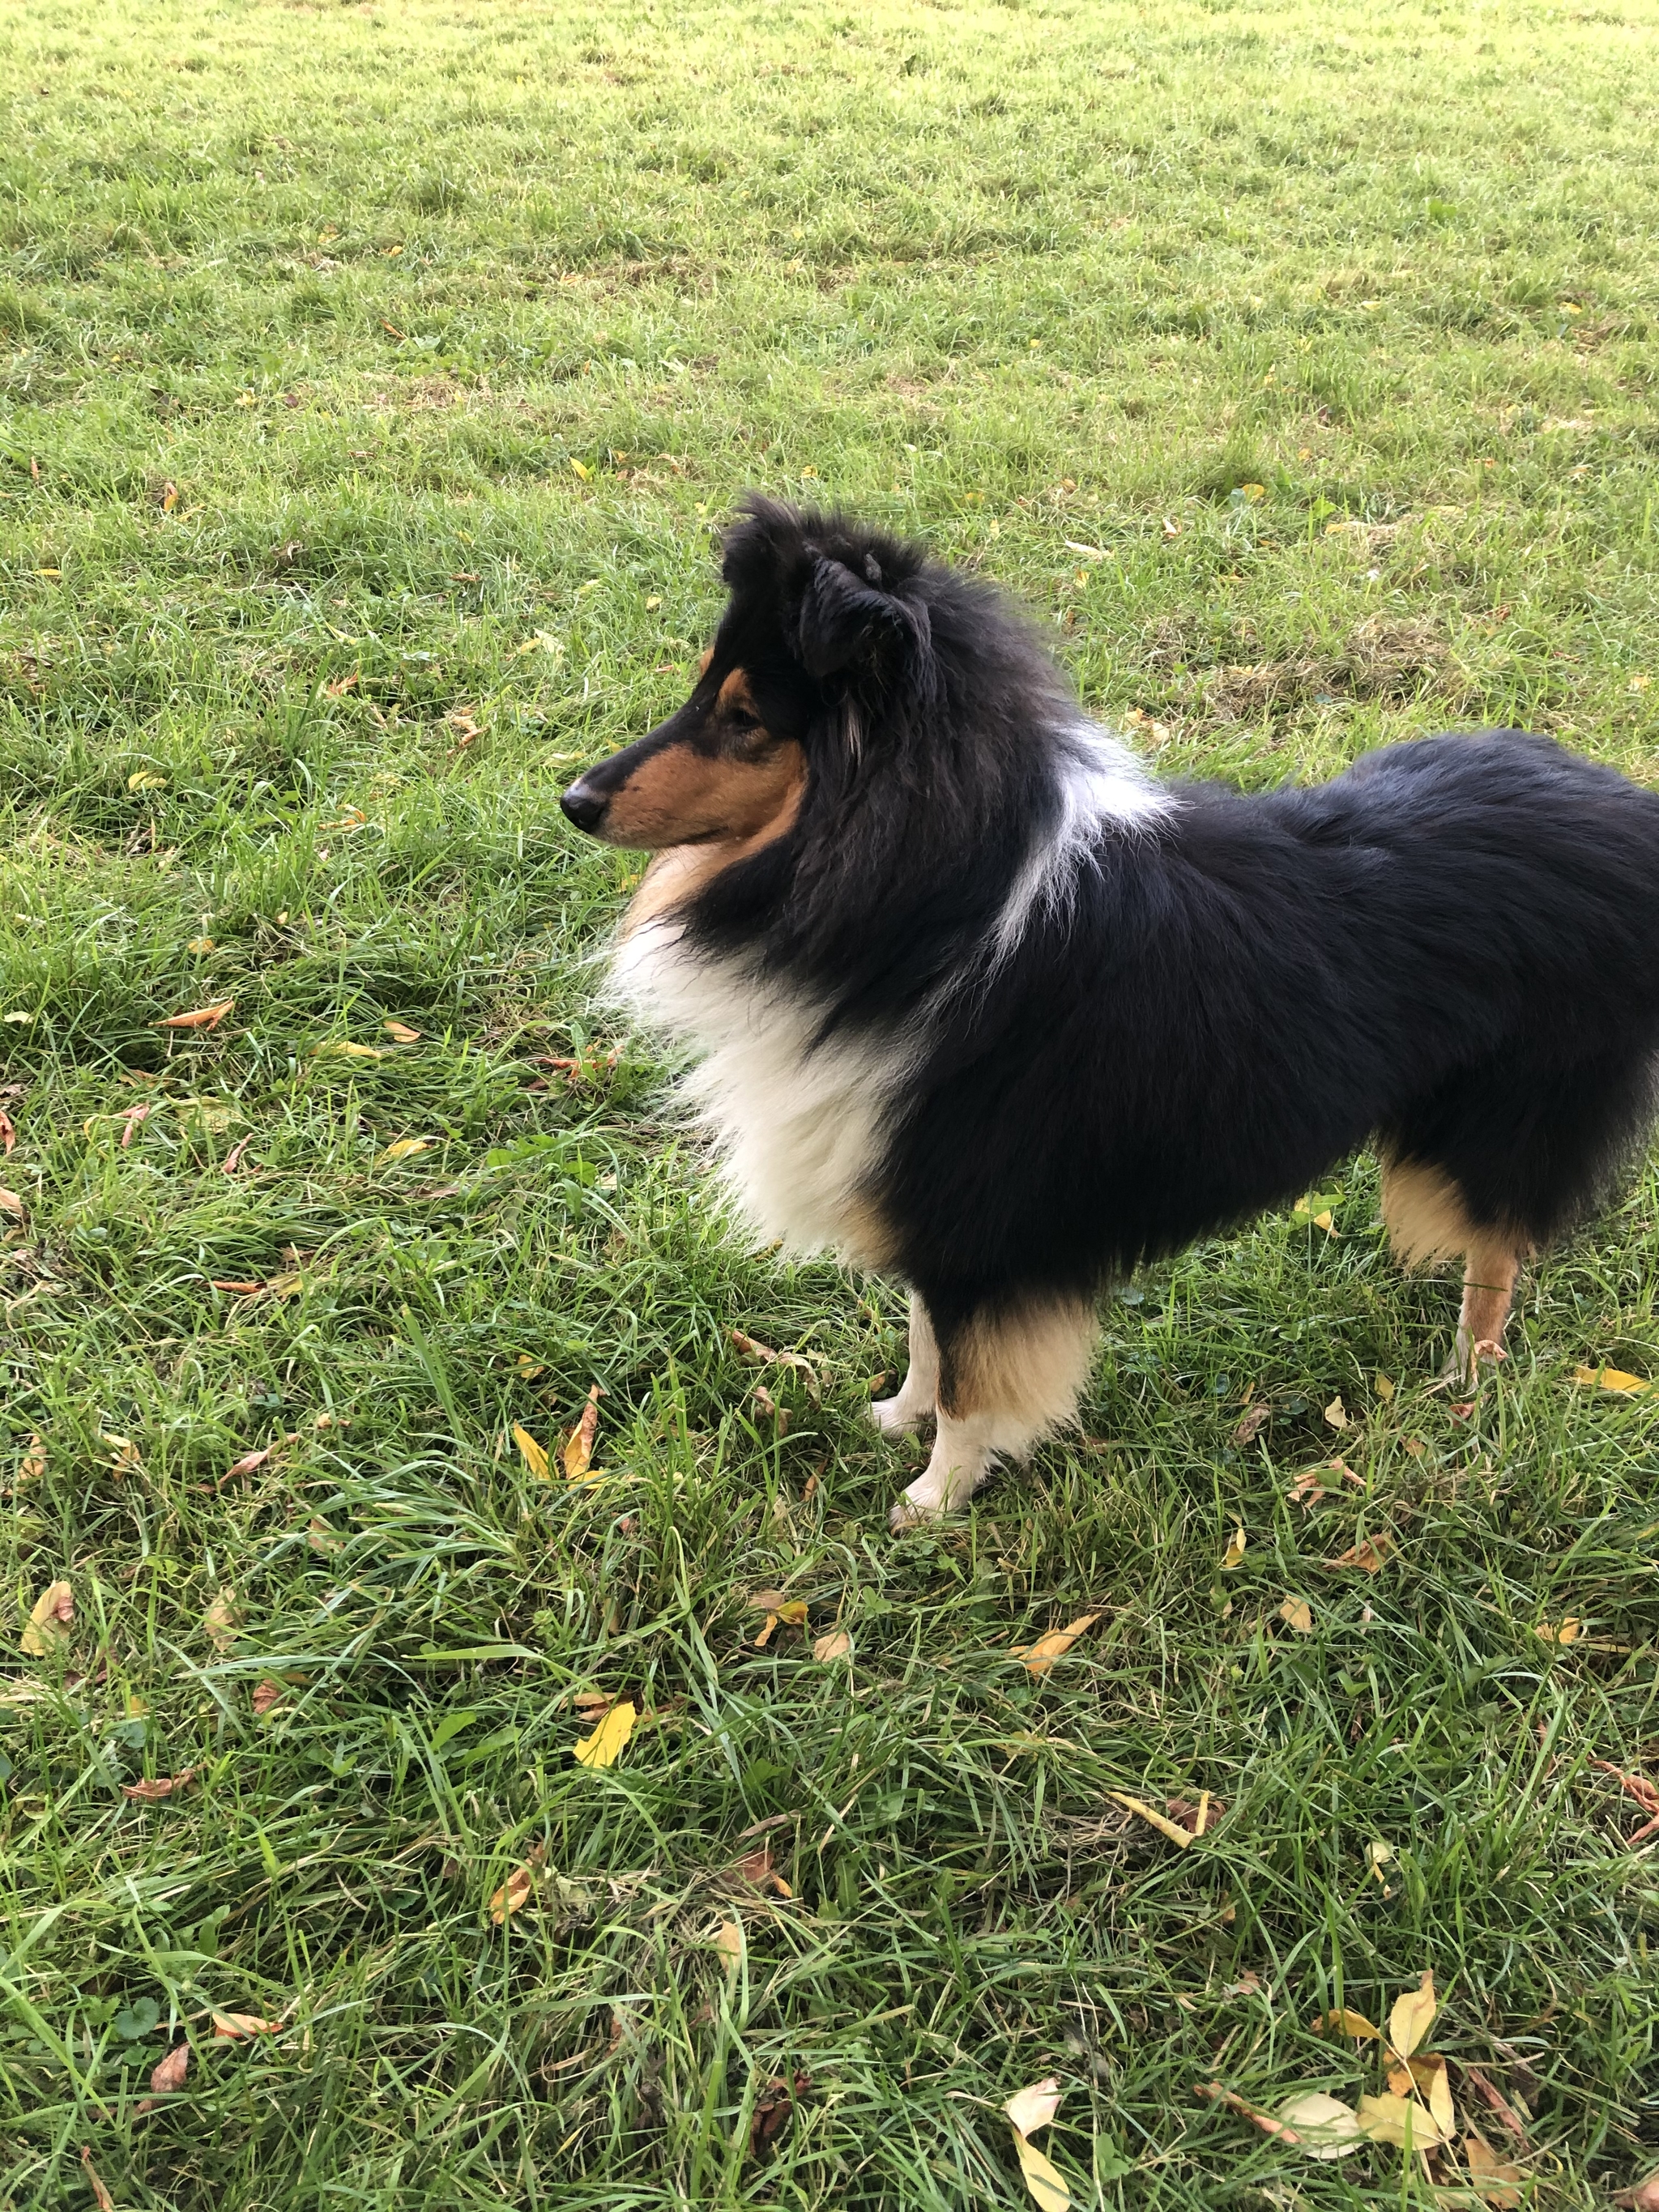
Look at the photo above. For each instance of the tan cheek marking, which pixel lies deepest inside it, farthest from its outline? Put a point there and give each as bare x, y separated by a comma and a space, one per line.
773, 795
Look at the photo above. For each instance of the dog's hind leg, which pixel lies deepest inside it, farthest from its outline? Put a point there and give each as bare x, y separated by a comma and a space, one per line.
1429, 1220
1006, 1376
1490, 1267
917, 1396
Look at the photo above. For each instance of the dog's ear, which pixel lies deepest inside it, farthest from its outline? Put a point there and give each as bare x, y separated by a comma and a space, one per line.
850, 625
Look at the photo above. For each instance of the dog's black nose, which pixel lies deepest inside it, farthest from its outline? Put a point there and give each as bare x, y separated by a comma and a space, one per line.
582, 807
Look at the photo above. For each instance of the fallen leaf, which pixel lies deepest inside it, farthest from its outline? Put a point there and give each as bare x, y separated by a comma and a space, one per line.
1633, 1785
1371, 1554
1611, 1378
7, 1133
1253, 2113
320, 1536
203, 1018
1425, 2076
1296, 1613
1398, 2120
1336, 1414
243, 2026
49, 1620
158, 1786
1325, 2127
1411, 2017
1341, 2021
1250, 1427
751, 1348
529, 1368
836, 1645
401, 1033
757, 1867
530, 1452
10, 1203
1644, 2197
579, 469
578, 1444
250, 1461
1040, 1657
1414, 1445
145, 779
1234, 1552
101, 2196
774, 2109
604, 1747
1483, 2089
33, 1465
266, 1693
347, 1050
1384, 1389
1033, 2108
1165, 1826
728, 1942
221, 1621
1495, 2179
514, 1892
170, 2074
233, 1158
403, 1148
1569, 1632
1029, 2110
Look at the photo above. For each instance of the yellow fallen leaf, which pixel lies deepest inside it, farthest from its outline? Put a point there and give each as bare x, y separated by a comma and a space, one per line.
1336, 1414
1234, 1554
401, 1033
1414, 1445
604, 1747
1324, 2127
1384, 1389
49, 1620
146, 779
837, 1644
1296, 1613
578, 1444
579, 470
1398, 2120
1371, 1554
530, 1452
1494, 2178
1040, 1657
728, 1942
514, 1891
243, 2026
33, 1465
1411, 2017
1182, 1837
1611, 1378
405, 1148
1569, 1632
199, 944
346, 1049
1424, 2075
1033, 2108
1341, 2021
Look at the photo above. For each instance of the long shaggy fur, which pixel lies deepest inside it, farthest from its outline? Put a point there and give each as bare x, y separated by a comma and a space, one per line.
994, 1009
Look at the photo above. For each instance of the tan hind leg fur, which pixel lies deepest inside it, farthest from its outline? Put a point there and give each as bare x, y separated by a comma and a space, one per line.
1428, 1221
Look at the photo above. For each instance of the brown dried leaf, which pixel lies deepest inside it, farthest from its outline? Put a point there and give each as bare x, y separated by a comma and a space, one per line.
1250, 1427
401, 1033
49, 1621
578, 1444
1296, 1613
158, 1786
728, 1942
10, 1203
100, 2195
8, 1133
1495, 2179
1371, 1554
243, 2026
836, 1645
170, 2074
203, 1018
775, 2106
1040, 1657
266, 1693
1569, 1632
757, 1867
33, 1465
514, 1892
250, 1461
1181, 1836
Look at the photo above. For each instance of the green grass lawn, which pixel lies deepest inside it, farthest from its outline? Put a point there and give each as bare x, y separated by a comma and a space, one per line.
372, 379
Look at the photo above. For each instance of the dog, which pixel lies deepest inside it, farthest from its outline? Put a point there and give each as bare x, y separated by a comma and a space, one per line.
975, 999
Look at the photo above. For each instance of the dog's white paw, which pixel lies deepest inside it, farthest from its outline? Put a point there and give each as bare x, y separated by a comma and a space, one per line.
894, 1417
949, 1481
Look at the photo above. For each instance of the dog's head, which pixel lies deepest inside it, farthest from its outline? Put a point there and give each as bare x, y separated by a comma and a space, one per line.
826, 622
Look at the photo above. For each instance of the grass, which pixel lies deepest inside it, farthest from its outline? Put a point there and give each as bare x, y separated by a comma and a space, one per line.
370, 380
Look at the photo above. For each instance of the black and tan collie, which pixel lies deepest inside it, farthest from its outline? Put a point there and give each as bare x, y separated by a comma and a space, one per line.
972, 998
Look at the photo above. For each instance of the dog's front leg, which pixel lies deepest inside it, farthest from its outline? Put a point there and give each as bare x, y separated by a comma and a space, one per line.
917, 1396
1006, 1377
